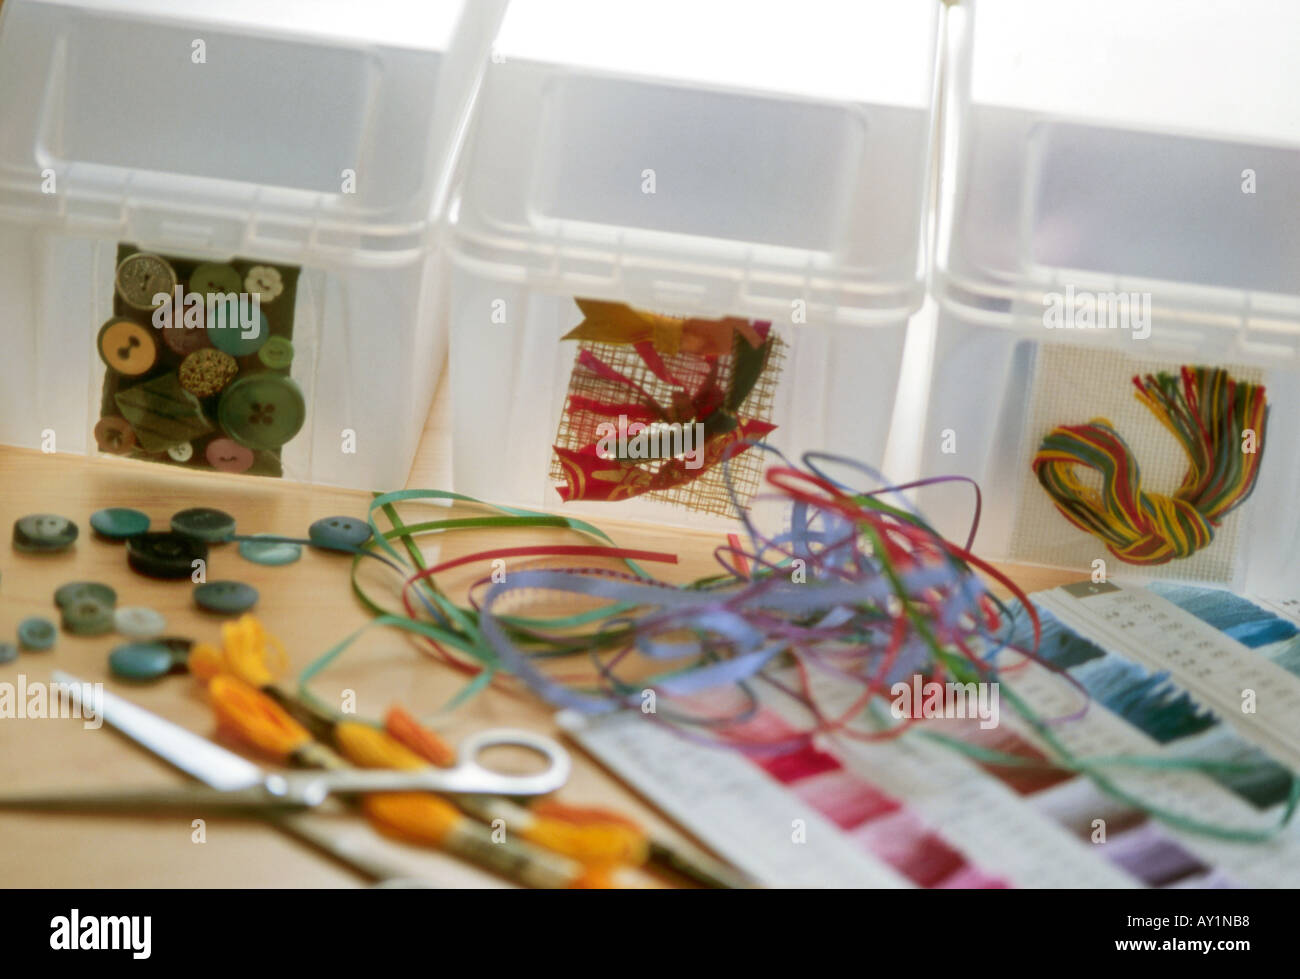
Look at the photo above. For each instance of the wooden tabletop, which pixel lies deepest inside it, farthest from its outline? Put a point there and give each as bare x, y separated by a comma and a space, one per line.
309, 605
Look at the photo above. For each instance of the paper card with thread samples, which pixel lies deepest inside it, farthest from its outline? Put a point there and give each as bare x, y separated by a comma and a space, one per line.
1256, 696
975, 810
1133, 712
731, 806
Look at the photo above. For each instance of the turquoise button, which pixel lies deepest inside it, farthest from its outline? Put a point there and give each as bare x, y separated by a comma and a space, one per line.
36, 633
225, 597
272, 553
204, 523
140, 661
8, 652
65, 595
44, 533
226, 332
119, 523
339, 533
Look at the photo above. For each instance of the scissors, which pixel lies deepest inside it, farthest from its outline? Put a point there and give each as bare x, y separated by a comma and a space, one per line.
234, 784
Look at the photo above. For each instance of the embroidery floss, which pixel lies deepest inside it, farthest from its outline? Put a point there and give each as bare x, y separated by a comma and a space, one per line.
1220, 423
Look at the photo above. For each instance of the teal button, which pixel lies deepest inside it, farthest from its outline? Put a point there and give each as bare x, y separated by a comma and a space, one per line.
36, 633
140, 661
8, 652
262, 411
226, 332
204, 523
272, 552
225, 597
119, 523
44, 533
339, 533
73, 591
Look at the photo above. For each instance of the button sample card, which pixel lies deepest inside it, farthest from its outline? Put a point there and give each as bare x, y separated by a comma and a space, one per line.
198, 361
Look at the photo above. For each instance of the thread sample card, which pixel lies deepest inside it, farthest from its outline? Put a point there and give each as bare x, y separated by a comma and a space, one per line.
1261, 698
745, 816
1155, 674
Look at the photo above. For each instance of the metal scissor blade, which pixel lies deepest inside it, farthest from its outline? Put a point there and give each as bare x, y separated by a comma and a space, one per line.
196, 756
200, 800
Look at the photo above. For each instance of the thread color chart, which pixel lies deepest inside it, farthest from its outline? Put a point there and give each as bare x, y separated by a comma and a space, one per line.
1140, 689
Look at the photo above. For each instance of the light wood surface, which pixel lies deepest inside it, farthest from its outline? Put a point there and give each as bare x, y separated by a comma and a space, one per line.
308, 604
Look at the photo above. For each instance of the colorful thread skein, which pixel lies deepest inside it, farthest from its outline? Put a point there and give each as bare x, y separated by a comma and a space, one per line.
1211, 415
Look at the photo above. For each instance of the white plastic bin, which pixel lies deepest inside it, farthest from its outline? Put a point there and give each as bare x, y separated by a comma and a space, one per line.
317, 138
762, 161
1157, 178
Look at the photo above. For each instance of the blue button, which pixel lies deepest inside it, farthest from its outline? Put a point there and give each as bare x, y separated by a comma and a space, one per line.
225, 597
339, 533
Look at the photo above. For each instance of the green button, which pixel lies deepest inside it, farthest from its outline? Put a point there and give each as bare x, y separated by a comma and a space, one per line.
226, 332
119, 523
162, 413
272, 552
88, 617
36, 633
212, 278
76, 590
339, 533
140, 661
262, 411
164, 555
44, 533
204, 523
225, 597
276, 354
8, 652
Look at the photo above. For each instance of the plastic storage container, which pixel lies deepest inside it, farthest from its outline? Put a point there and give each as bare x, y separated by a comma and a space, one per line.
736, 193
1104, 218
296, 152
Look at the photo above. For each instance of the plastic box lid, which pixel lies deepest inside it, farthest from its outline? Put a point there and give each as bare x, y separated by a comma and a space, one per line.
704, 156
234, 127
1151, 146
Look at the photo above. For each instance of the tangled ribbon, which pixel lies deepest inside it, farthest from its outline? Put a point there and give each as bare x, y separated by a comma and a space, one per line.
853, 588
1220, 424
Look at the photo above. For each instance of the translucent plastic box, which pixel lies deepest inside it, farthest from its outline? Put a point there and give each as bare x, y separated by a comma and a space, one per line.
735, 192
297, 152
1104, 218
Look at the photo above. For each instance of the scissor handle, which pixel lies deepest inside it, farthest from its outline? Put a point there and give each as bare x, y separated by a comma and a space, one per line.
480, 780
